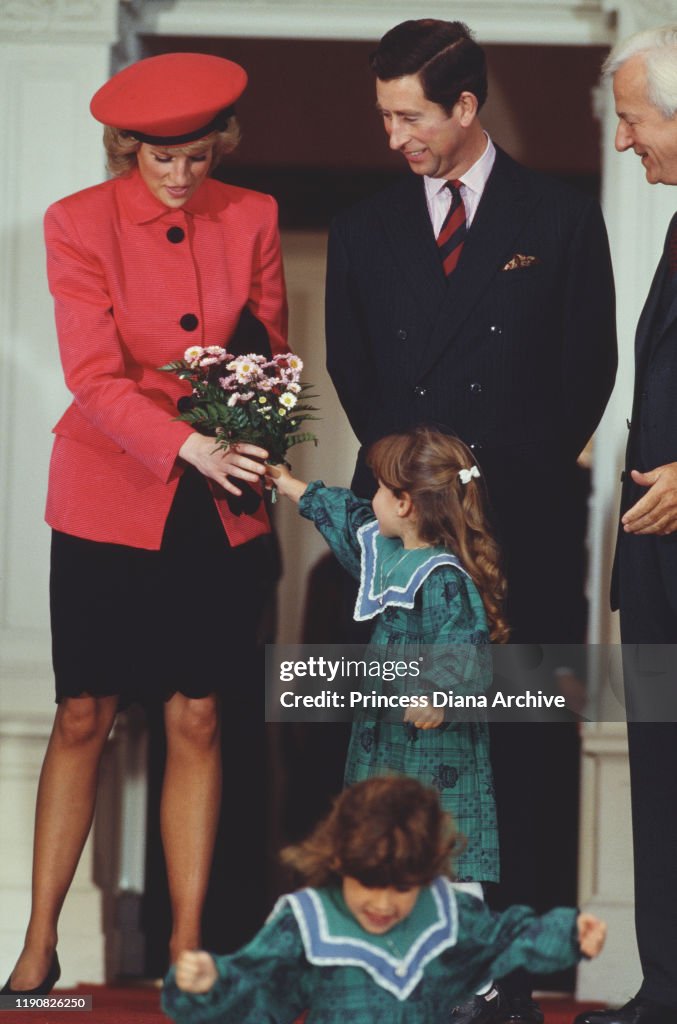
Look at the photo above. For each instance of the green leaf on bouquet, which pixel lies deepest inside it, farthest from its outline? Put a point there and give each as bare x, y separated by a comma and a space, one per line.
261, 420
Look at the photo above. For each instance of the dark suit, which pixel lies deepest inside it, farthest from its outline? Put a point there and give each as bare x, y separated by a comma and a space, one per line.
645, 588
520, 364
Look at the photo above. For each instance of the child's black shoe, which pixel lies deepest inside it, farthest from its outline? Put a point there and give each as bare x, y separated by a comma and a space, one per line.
485, 1009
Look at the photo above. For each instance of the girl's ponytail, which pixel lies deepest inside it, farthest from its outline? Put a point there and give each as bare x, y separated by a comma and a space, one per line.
481, 556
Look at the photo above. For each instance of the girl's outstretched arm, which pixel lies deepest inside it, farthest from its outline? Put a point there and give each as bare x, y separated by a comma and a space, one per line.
269, 979
286, 484
518, 937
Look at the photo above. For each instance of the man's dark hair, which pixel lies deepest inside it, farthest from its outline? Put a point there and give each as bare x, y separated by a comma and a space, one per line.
442, 53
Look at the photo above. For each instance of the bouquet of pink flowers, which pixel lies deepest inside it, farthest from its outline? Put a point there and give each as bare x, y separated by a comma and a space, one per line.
245, 398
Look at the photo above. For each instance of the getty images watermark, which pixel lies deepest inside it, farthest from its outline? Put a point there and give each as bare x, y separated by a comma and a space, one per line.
470, 682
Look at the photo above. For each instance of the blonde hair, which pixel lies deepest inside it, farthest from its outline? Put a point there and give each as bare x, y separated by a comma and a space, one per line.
121, 146
426, 464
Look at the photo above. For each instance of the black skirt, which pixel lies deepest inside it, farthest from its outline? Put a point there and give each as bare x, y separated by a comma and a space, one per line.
147, 624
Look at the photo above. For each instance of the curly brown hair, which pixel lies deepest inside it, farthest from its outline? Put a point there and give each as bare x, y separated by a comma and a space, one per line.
386, 831
121, 146
425, 463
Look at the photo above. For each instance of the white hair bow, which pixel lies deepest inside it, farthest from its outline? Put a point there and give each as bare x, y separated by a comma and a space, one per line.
466, 475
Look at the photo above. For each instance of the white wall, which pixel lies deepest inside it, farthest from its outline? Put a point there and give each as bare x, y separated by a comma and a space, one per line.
52, 57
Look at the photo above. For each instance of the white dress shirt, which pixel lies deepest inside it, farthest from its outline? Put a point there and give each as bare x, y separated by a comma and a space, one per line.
473, 181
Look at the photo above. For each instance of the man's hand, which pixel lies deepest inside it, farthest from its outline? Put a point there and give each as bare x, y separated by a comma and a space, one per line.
195, 971
591, 934
656, 511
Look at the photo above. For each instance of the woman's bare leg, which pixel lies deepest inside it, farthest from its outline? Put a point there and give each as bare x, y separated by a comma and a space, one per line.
63, 817
191, 798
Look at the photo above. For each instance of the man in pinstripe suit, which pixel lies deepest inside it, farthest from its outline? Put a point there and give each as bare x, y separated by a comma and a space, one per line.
512, 348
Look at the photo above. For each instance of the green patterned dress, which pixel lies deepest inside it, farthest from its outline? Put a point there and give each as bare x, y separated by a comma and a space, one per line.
313, 955
423, 603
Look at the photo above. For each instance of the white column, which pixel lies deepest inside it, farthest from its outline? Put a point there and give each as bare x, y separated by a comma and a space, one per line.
637, 215
53, 55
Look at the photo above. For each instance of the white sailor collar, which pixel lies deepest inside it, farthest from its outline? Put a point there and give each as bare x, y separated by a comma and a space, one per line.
386, 581
331, 939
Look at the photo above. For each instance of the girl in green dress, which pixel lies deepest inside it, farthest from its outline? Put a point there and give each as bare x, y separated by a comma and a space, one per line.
380, 935
431, 584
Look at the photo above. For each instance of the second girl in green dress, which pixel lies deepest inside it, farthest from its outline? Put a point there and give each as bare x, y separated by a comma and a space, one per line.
430, 581
379, 935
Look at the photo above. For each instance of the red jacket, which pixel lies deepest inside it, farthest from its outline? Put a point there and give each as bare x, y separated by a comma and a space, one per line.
122, 290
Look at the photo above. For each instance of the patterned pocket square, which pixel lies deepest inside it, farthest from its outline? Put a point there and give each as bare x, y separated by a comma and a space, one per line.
519, 261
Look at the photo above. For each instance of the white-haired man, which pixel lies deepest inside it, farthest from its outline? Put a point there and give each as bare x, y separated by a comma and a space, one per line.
644, 72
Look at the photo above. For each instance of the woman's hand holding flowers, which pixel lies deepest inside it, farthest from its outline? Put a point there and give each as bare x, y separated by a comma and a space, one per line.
219, 464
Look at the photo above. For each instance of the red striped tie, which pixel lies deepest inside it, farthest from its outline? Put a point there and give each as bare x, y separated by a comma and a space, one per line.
453, 231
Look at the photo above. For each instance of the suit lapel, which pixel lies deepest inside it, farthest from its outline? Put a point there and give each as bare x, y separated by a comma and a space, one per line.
649, 330
672, 309
407, 225
505, 204
648, 315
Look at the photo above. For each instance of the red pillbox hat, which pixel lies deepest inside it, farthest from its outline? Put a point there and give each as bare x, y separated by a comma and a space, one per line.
171, 99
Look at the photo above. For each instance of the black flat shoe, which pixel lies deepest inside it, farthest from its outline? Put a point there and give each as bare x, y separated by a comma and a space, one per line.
637, 1011
45, 986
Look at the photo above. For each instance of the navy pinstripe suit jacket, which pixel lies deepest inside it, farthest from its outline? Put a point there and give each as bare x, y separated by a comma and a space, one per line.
517, 362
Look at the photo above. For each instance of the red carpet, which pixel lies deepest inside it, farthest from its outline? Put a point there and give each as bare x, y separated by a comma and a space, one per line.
142, 1006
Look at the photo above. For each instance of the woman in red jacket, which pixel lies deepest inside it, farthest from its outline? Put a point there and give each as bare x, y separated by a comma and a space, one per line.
160, 545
